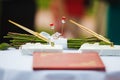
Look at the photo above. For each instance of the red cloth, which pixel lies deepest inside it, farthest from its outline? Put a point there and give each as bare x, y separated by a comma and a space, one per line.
75, 8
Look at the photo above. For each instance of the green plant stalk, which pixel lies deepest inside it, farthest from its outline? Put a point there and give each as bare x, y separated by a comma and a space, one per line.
20, 39
21, 36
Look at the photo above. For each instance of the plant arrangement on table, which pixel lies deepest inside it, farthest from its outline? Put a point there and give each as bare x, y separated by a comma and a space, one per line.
19, 39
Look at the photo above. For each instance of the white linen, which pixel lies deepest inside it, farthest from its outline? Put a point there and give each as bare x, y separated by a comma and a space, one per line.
103, 50
14, 66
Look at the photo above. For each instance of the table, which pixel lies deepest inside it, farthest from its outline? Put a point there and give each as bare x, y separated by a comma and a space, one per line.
15, 66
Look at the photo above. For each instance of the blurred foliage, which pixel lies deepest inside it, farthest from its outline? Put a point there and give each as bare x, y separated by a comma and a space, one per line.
91, 9
43, 4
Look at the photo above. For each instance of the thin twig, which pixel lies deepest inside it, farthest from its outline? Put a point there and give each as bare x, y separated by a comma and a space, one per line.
92, 32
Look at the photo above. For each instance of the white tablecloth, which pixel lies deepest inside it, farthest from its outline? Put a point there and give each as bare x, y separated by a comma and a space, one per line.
15, 66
